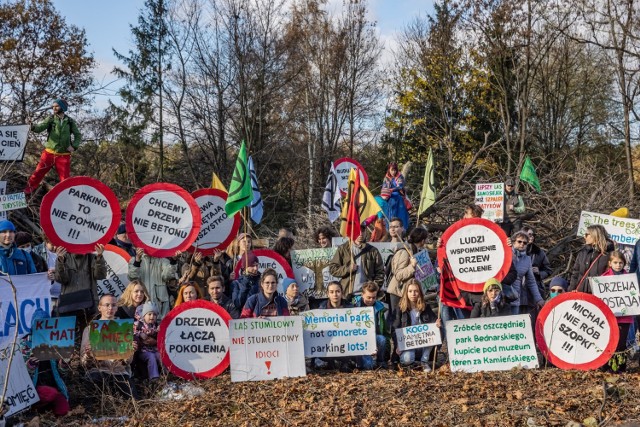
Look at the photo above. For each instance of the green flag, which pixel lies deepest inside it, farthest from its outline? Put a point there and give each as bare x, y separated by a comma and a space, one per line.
240, 194
528, 174
428, 195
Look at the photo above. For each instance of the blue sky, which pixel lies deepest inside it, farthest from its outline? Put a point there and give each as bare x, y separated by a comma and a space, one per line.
107, 26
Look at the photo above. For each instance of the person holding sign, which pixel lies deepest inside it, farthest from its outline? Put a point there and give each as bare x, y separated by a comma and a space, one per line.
267, 302
111, 373
156, 273
412, 311
592, 259
59, 146
334, 300
369, 298
493, 303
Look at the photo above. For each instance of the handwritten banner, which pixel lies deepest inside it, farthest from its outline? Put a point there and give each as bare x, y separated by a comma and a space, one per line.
111, 339
21, 393
619, 292
13, 140
625, 231
53, 338
491, 344
425, 273
418, 336
490, 197
218, 230
10, 202
117, 260
339, 332
310, 268
266, 349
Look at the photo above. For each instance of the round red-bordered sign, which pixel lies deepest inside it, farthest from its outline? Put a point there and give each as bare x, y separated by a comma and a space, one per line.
194, 317
268, 257
79, 213
217, 230
343, 177
563, 339
474, 233
116, 282
163, 218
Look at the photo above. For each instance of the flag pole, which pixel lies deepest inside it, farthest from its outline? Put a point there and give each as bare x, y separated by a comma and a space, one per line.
435, 347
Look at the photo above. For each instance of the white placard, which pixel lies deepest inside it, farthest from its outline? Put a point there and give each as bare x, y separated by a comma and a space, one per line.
309, 266
619, 292
10, 202
13, 140
218, 229
339, 332
491, 344
624, 231
21, 393
266, 348
490, 197
117, 260
418, 336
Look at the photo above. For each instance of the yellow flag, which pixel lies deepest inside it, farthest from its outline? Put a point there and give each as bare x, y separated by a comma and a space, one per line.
365, 203
216, 183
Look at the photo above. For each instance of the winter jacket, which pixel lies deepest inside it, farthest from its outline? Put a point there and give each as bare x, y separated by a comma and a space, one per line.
243, 287
324, 305
479, 310
473, 298
257, 302
77, 272
516, 200
401, 270
127, 247
635, 260
341, 266
226, 303
15, 261
539, 259
403, 318
586, 256
297, 305
150, 330
525, 285
126, 312
155, 273
381, 314
60, 130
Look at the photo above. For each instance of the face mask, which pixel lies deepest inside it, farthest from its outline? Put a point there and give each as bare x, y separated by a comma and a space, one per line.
27, 249
553, 294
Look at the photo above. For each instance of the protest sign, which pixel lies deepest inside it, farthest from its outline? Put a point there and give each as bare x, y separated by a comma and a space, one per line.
111, 339
3, 191
425, 273
271, 259
79, 213
162, 219
343, 166
490, 197
418, 336
33, 293
117, 260
13, 140
577, 331
53, 338
266, 349
619, 292
476, 250
311, 271
339, 332
218, 230
10, 202
491, 344
194, 340
625, 231
21, 392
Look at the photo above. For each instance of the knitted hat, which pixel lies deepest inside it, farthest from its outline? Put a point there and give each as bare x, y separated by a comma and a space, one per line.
122, 229
5, 225
286, 282
490, 283
559, 281
62, 104
248, 260
22, 238
510, 181
145, 308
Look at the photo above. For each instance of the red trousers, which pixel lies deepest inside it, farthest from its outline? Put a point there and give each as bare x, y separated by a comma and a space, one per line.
47, 161
51, 398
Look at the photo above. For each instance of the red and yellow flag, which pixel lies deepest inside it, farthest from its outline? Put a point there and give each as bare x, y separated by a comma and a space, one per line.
358, 205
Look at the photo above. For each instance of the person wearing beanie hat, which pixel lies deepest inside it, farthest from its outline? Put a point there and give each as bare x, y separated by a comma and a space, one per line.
145, 332
59, 145
24, 241
296, 301
122, 241
493, 302
557, 286
13, 261
249, 281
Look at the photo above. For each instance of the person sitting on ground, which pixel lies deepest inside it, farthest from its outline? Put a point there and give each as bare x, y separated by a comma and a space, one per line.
334, 301
557, 286
215, 289
493, 302
267, 302
145, 332
369, 298
190, 291
249, 281
134, 295
296, 302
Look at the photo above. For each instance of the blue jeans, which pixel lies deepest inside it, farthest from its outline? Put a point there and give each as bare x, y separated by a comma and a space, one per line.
515, 309
407, 357
366, 362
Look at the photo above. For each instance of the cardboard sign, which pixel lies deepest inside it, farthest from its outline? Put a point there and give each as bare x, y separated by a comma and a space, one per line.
21, 393
79, 213
310, 268
624, 231
53, 338
620, 293
577, 331
425, 273
10, 202
491, 344
343, 166
339, 332
33, 293
163, 218
218, 230
418, 336
117, 260
266, 349
490, 197
194, 340
13, 140
271, 259
476, 250
111, 339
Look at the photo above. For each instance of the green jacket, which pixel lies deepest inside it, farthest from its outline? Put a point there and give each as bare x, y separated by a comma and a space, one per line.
340, 267
60, 131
